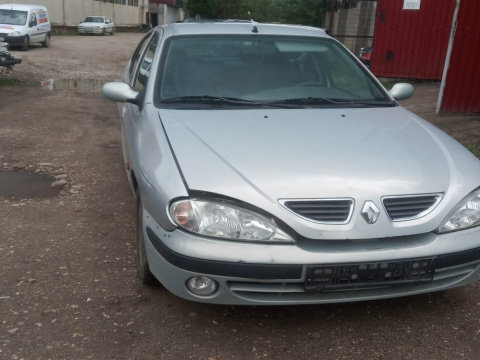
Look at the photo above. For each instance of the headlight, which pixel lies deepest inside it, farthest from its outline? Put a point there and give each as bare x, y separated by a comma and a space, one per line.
15, 33
225, 221
466, 214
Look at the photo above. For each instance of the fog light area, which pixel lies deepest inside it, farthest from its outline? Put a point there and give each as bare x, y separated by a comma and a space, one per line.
202, 285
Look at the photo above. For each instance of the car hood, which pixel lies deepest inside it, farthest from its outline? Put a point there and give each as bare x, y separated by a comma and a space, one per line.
263, 156
10, 28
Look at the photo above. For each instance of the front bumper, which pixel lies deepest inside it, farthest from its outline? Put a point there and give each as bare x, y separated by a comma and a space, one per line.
90, 30
260, 274
12, 40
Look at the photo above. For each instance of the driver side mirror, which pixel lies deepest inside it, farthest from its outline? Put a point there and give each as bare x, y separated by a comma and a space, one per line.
120, 92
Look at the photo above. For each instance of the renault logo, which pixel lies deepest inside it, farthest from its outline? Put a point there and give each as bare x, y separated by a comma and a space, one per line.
370, 212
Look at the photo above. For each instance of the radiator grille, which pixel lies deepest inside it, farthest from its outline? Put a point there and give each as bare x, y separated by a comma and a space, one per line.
330, 211
401, 208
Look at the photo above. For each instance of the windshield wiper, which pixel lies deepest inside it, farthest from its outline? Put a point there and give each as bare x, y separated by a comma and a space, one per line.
222, 100
303, 101
372, 103
212, 100
331, 101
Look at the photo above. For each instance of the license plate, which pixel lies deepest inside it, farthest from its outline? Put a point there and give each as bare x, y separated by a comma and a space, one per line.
367, 275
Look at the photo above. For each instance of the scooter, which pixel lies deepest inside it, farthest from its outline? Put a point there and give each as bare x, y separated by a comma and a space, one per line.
6, 59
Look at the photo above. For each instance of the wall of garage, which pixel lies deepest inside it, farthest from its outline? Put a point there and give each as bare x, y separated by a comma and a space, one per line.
461, 81
72, 12
411, 43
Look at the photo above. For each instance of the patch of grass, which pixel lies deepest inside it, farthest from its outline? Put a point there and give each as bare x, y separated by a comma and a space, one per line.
475, 149
8, 81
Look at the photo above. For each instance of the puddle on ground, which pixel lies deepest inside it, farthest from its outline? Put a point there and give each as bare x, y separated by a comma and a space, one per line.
72, 84
23, 185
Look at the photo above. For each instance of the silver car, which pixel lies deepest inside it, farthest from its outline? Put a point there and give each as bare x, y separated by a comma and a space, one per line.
270, 167
96, 25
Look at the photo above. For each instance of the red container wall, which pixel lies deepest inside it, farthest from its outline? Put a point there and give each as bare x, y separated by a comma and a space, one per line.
462, 89
411, 43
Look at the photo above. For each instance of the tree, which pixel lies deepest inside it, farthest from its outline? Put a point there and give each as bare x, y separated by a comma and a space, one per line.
305, 12
203, 8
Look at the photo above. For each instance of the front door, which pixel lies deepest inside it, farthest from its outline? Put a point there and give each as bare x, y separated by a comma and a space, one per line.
34, 30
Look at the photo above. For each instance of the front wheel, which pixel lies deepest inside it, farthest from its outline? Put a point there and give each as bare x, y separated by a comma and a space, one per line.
46, 42
143, 270
25, 43
112, 32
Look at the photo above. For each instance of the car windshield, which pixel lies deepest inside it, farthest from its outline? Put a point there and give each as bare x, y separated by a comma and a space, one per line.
94, 19
265, 69
13, 17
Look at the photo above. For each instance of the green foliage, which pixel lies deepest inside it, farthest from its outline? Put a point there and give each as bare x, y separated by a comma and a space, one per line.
305, 12
8, 81
203, 8
475, 149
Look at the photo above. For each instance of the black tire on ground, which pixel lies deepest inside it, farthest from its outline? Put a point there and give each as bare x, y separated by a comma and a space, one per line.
143, 270
46, 42
112, 32
103, 32
25, 44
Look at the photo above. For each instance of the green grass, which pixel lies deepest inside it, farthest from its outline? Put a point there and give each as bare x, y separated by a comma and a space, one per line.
475, 149
8, 81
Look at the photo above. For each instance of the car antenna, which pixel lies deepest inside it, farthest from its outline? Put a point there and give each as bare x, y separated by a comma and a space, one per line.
254, 27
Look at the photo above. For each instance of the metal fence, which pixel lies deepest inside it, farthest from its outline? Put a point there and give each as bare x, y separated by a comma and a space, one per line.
352, 22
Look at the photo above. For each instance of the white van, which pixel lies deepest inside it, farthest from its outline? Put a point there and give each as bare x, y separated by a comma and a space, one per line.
22, 24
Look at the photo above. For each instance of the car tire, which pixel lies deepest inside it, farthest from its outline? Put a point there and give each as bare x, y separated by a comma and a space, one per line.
46, 42
25, 44
112, 32
143, 269
103, 32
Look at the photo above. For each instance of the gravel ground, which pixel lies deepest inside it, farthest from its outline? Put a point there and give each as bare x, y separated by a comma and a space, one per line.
68, 288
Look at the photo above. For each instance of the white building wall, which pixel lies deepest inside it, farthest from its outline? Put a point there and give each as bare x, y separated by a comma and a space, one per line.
166, 14
72, 12
172, 14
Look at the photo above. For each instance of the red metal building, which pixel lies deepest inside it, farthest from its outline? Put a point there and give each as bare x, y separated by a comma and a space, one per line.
411, 43
462, 79
431, 39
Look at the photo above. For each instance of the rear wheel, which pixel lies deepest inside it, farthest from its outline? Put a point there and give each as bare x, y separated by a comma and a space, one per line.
46, 42
143, 270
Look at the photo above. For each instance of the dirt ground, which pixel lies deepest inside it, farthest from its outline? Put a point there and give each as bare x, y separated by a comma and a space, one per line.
68, 288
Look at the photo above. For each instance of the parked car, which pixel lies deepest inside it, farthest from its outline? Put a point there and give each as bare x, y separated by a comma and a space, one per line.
96, 25
366, 55
269, 167
22, 25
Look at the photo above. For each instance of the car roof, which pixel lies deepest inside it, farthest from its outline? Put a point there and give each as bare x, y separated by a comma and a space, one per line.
239, 28
22, 7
